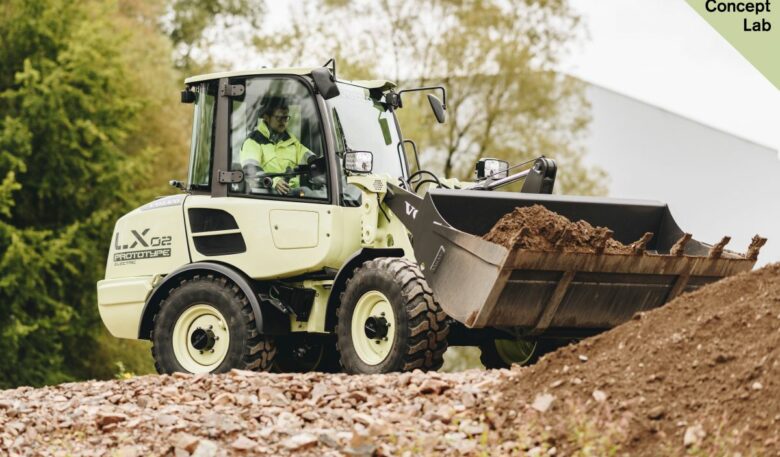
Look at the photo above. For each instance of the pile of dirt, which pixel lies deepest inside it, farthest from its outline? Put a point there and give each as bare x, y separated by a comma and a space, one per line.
538, 229
702, 372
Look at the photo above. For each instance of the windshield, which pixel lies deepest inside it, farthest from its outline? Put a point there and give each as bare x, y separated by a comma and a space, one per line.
364, 124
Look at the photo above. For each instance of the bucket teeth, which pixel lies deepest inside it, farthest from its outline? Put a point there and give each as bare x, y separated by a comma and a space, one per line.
755, 247
601, 241
679, 247
638, 247
717, 250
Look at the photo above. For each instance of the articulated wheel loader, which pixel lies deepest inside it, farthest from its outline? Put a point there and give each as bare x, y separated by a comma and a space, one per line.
301, 241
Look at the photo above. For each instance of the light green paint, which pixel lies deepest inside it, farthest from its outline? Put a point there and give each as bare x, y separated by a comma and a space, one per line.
121, 303
319, 310
294, 229
372, 351
515, 351
760, 48
200, 316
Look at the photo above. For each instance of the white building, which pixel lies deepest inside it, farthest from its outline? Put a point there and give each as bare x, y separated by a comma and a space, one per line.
715, 183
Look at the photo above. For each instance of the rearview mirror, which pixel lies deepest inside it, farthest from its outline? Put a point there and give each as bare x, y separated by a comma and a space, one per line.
325, 82
493, 168
438, 108
358, 161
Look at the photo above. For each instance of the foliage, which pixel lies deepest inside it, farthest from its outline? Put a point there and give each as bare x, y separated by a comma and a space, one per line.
80, 93
189, 25
163, 124
497, 59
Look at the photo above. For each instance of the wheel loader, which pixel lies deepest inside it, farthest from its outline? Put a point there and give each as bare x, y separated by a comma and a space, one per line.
356, 264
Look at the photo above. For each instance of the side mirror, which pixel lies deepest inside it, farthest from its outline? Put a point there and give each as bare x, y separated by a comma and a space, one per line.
438, 108
187, 96
358, 161
493, 168
325, 82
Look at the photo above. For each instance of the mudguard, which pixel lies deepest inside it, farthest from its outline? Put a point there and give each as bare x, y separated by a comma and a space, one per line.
268, 319
339, 283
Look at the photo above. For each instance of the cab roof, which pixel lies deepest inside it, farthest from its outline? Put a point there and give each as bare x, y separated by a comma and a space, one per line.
381, 84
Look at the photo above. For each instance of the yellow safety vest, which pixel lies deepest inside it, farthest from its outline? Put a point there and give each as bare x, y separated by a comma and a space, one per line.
273, 157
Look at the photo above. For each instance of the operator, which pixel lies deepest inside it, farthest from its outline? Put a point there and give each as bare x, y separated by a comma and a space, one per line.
271, 148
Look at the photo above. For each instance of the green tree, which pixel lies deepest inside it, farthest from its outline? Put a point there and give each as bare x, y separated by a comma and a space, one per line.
195, 27
91, 127
64, 117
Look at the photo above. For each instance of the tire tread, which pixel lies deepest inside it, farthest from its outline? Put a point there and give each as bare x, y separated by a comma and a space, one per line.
427, 322
259, 351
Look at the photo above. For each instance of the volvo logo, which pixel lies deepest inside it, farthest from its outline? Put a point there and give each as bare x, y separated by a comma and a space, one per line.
411, 210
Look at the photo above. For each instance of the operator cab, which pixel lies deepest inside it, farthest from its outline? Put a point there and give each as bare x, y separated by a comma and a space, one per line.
289, 126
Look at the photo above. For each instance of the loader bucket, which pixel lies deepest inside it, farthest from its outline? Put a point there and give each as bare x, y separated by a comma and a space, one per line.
482, 284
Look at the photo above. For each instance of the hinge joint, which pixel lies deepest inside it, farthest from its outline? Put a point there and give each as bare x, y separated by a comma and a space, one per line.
231, 177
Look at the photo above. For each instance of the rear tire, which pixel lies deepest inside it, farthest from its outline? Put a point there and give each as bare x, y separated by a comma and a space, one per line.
503, 353
206, 325
500, 353
388, 320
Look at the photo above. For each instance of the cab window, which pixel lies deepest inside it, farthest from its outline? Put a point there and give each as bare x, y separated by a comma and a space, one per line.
351, 195
367, 124
202, 136
276, 140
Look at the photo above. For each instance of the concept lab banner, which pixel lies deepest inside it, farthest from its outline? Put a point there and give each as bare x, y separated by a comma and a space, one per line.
753, 28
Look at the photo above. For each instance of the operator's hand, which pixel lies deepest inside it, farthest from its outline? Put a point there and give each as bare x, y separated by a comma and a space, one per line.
282, 187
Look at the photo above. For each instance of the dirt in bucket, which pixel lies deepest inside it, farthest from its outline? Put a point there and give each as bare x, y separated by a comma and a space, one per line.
538, 229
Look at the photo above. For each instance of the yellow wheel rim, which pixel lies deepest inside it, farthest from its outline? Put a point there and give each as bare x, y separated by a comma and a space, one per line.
515, 351
200, 339
373, 327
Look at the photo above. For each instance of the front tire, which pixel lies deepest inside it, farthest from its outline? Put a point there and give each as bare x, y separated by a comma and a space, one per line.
388, 320
206, 325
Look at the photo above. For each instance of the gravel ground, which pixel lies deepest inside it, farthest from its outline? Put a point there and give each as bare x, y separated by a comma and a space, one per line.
247, 413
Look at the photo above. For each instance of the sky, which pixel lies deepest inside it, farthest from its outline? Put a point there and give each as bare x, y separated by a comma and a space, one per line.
662, 52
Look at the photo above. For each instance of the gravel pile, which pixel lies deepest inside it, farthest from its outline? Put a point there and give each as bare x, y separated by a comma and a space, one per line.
248, 413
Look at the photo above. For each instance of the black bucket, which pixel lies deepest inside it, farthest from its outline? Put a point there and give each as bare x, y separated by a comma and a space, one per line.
482, 284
